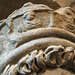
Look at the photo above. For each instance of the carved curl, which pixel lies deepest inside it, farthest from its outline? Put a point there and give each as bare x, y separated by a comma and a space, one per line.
53, 56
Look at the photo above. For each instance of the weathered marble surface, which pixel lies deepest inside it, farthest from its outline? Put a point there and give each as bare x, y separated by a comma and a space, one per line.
36, 38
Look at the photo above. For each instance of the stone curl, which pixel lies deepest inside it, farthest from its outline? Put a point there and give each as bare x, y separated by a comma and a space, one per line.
53, 57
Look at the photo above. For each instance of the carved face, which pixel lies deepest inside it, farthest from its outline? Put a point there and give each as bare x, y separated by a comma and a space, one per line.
41, 42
